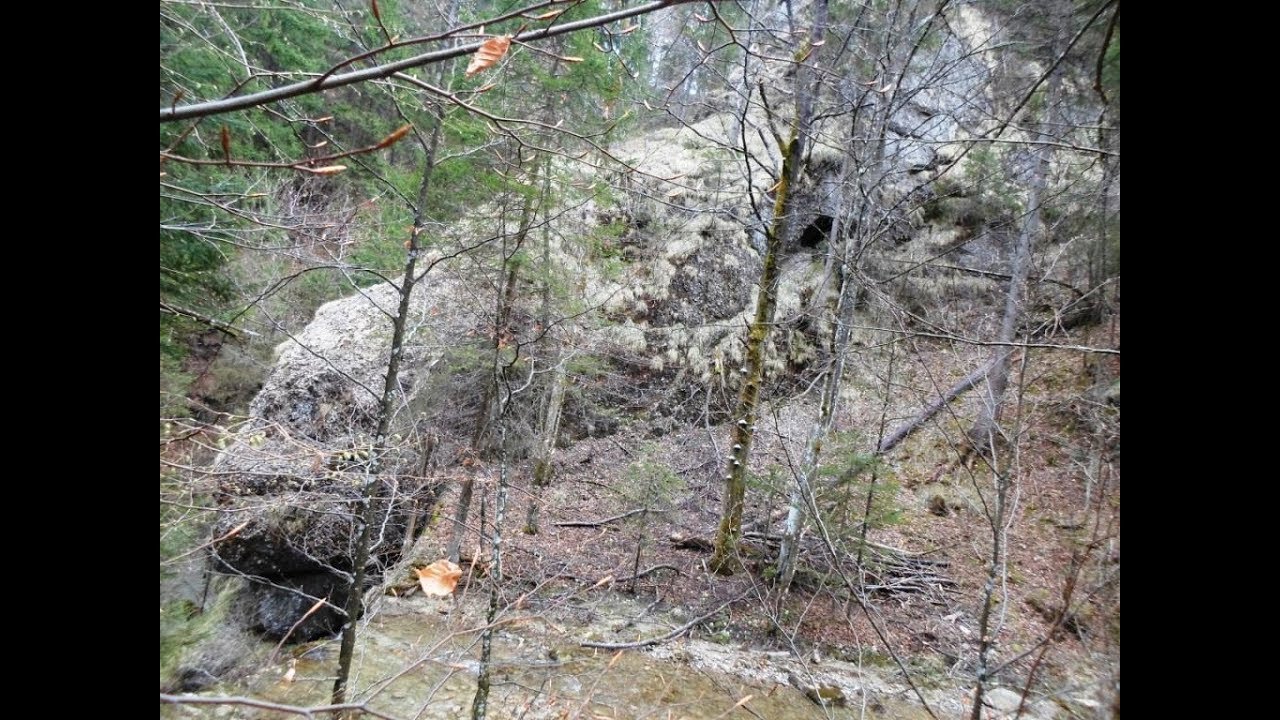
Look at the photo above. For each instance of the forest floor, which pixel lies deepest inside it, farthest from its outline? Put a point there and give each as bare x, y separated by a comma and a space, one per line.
608, 503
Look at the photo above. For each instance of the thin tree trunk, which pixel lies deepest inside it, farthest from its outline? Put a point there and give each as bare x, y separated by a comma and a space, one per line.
985, 641
983, 433
865, 228
640, 538
428, 450
998, 517
480, 704
460, 518
493, 406
724, 560
801, 490
390, 388
543, 471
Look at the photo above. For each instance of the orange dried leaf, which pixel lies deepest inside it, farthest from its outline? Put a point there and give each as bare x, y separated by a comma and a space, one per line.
396, 136
326, 170
439, 578
489, 53
571, 59
547, 15
625, 31
599, 47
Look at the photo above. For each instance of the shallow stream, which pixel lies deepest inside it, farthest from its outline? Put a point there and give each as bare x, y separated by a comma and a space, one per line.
418, 658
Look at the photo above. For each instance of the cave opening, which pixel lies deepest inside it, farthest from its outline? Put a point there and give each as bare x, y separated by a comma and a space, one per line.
816, 232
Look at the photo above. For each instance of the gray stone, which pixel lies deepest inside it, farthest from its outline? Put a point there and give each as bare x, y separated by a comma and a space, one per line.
1003, 699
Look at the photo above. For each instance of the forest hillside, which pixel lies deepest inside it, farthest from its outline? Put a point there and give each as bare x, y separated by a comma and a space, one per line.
697, 359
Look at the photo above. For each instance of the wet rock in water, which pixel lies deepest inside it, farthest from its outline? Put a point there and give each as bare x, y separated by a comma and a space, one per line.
819, 690
827, 695
215, 657
195, 679
276, 609
295, 546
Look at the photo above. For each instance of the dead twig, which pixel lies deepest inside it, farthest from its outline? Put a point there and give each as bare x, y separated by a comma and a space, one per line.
606, 521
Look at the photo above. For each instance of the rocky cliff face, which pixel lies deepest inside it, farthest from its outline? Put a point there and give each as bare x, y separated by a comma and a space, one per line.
657, 260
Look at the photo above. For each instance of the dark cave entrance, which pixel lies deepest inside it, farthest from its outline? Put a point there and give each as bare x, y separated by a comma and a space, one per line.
816, 232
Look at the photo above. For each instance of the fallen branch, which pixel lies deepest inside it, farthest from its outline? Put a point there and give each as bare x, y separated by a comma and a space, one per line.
309, 712
653, 569
621, 447
598, 523
671, 635
905, 430
691, 543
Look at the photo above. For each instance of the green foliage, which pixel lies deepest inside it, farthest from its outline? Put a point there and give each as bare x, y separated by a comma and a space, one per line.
191, 637
849, 476
770, 482
181, 627
604, 247
649, 482
588, 366
997, 196
651, 485
192, 280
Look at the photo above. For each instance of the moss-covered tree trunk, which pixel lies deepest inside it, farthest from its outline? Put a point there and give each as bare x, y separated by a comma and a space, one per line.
543, 472
549, 427
725, 558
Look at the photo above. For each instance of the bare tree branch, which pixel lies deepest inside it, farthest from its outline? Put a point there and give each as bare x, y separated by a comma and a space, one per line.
377, 72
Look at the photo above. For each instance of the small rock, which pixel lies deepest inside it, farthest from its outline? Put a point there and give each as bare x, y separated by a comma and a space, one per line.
1003, 699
